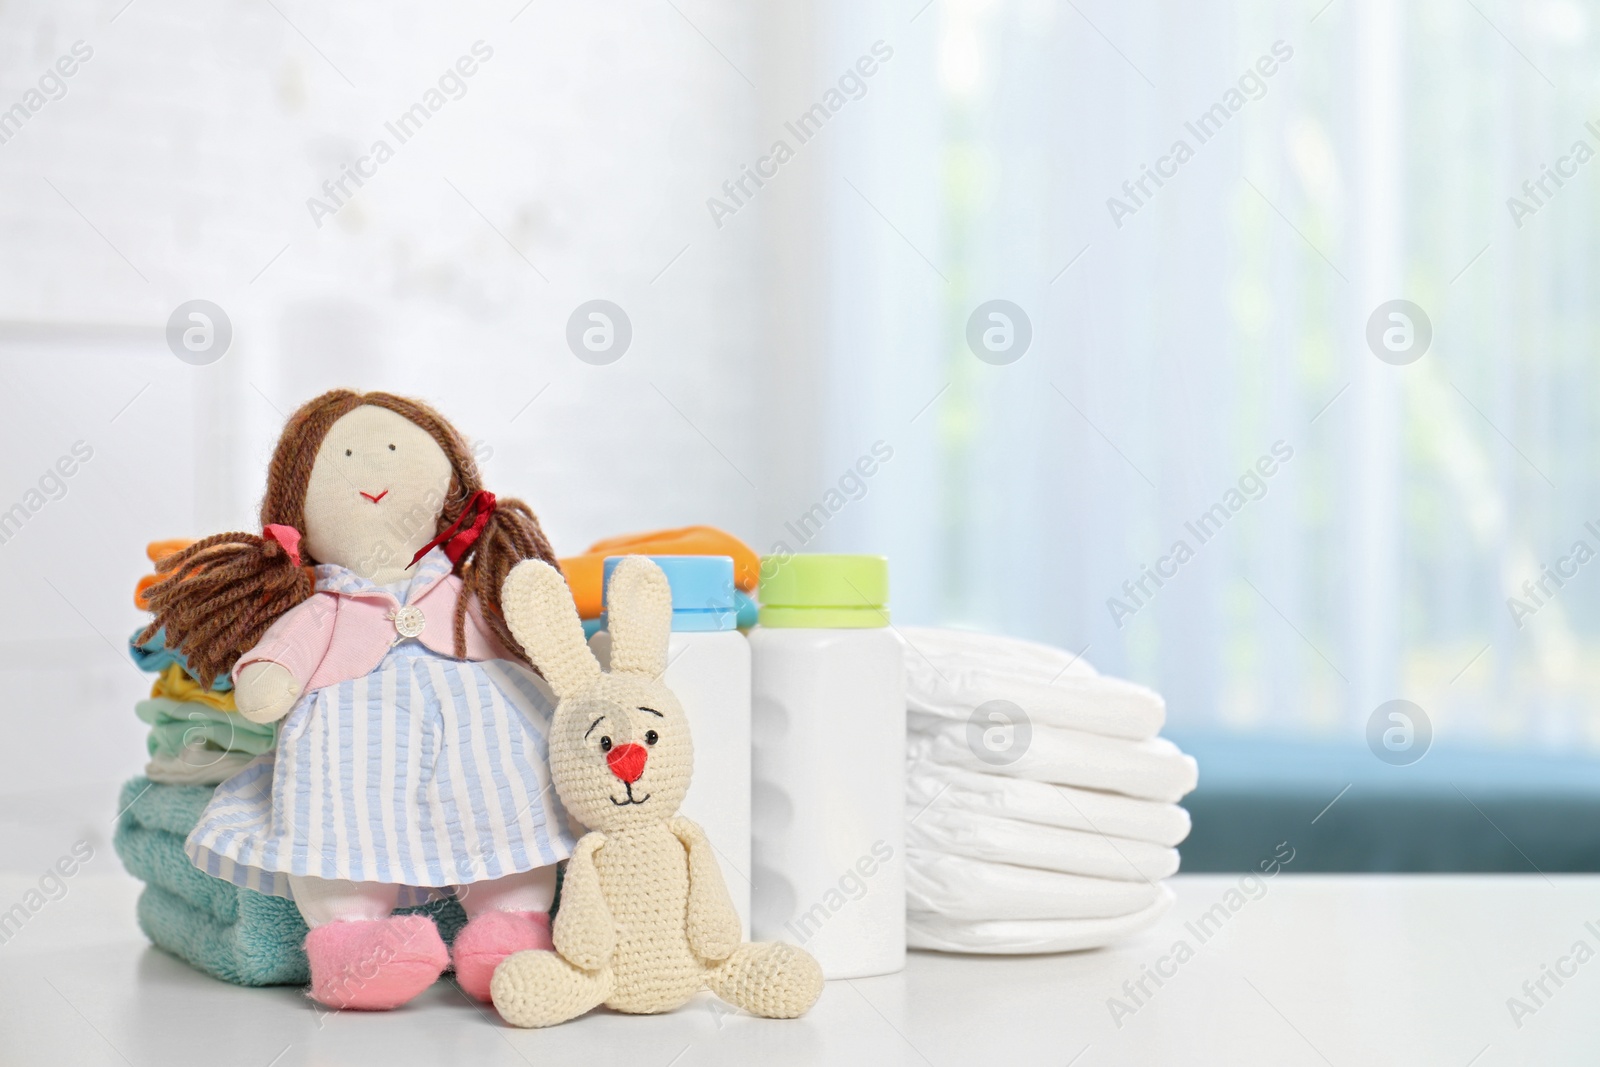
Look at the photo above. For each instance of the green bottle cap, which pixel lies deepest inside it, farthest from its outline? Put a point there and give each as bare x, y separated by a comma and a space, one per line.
824, 591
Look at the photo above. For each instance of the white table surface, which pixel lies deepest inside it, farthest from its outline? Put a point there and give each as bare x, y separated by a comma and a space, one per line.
1346, 970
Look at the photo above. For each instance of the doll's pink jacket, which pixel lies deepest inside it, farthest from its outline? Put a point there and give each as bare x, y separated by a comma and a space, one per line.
337, 636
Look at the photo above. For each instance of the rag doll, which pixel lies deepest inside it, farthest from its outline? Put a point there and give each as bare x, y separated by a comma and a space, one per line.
645, 921
412, 759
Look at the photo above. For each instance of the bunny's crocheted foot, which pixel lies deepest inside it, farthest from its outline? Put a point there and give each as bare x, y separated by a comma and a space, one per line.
376, 964
768, 978
542, 989
489, 938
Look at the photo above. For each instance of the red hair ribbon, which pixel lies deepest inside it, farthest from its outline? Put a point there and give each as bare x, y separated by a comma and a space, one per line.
287, 536
456, 540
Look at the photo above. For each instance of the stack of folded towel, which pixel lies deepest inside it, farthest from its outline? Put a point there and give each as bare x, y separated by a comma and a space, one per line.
197, 736
235, 934
1041, 804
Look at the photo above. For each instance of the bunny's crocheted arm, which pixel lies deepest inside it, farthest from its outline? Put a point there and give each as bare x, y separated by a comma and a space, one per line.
712, 924
584, 932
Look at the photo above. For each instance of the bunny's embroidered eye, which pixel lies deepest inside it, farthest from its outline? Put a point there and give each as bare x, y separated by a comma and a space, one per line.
651, 737
348, 452
605, 744
391, 448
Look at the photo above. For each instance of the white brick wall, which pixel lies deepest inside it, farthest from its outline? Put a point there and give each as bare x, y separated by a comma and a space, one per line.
191, 141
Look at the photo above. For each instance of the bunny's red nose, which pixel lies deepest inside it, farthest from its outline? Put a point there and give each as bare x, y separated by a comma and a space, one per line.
627, 762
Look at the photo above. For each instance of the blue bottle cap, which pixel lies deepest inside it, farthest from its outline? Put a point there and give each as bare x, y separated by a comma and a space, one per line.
703, 595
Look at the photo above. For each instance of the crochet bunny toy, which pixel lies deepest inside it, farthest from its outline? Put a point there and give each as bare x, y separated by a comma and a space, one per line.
645, 920
412, 755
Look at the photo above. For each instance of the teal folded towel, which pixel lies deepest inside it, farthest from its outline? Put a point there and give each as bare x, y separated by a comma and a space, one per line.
235, 934
173, 808
262, 947
156, 857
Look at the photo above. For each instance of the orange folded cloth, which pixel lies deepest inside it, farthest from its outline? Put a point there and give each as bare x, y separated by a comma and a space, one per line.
157, 551
585, 573
160, 550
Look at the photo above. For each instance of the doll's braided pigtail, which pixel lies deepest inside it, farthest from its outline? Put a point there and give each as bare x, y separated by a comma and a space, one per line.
512, 535
219, 597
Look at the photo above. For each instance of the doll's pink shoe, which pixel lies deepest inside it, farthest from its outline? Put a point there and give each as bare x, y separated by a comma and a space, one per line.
490, 938
375, 964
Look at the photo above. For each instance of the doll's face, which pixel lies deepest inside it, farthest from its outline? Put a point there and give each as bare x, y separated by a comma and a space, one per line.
377, 487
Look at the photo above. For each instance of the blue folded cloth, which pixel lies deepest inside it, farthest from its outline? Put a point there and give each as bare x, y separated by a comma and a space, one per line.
744, 604
235, 934
153, 656
747, 607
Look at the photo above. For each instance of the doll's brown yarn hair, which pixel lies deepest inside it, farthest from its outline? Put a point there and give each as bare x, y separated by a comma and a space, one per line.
222, 593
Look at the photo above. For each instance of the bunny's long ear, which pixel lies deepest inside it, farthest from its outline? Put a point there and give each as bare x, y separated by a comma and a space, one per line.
539, 609
639, 616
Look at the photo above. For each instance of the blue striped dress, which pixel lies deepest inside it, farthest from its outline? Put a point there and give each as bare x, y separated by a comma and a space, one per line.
429, 772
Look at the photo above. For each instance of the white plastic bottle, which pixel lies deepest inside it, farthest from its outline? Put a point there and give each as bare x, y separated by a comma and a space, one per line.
708, 667
828, 764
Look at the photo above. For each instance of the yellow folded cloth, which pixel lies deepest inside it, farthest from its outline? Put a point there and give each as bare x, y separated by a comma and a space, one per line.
174, 683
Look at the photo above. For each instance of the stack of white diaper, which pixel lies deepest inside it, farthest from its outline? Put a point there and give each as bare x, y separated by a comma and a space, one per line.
1040, 832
